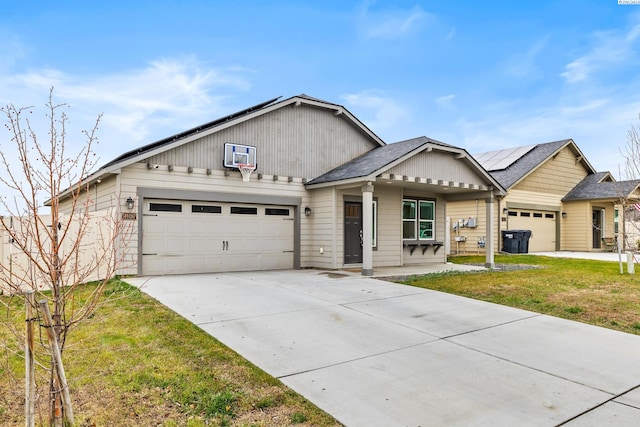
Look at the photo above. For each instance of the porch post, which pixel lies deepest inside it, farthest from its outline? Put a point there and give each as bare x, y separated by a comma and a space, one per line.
367, 229
490, 244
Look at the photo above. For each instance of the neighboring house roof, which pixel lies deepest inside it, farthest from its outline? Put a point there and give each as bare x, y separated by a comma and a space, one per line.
379, 159
601, 185
511, 166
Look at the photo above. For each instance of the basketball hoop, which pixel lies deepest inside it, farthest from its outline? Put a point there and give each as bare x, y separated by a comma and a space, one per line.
245, 170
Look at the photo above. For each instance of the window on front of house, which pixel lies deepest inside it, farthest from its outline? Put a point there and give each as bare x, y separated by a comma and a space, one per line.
418, 219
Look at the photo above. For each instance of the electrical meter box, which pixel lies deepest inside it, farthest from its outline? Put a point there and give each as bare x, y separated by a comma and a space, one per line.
472, 222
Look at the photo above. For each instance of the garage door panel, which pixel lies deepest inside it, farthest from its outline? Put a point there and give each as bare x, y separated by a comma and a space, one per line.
542, 225
193, 241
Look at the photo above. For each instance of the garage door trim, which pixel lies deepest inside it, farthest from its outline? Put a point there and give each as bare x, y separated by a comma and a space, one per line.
211, 196
557, 210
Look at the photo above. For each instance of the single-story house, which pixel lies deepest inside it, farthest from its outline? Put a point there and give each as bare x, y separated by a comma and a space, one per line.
553, 191
324, 192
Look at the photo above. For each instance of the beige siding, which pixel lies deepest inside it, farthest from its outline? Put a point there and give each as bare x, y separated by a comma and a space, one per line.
578, 223
438, 165
321, 252
533, 199
558, 175
428, 257
389, 240
463, 210
299, 141
137, 175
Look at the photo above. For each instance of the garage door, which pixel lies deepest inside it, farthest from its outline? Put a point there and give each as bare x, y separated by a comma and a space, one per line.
542, 225
201, 237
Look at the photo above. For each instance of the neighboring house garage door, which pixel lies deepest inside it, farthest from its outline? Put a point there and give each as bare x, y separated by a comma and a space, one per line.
203, 237
542, 225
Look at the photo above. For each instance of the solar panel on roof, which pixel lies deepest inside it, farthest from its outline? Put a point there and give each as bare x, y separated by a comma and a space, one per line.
502, 159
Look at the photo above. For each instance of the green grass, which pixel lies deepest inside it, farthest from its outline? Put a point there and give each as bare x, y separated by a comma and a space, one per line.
588, 291
135, 363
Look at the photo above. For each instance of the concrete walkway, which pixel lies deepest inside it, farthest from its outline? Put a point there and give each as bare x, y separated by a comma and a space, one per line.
374, 353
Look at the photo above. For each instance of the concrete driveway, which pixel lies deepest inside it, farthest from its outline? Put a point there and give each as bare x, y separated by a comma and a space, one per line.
374, 353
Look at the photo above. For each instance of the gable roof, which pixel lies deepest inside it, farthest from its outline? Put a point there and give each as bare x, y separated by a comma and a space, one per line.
601, 185
520, 164
189, 135
231, 120
379, 159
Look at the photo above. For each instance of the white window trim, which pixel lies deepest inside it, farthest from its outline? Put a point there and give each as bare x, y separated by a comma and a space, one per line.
416, 220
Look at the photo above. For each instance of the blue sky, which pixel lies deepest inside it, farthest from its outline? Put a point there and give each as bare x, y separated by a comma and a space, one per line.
482, 75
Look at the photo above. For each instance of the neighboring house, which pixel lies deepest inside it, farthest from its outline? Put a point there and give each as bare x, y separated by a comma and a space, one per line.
326, 193
598, 204
553, 191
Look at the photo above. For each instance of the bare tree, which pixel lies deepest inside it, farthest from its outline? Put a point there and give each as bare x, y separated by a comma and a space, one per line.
55, 249
630, 199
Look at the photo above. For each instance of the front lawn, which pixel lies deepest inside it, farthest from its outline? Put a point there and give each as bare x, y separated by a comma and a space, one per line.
592, 292
136, 363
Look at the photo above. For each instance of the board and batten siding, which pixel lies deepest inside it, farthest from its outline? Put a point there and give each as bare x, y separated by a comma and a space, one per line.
557, 175
438, 165
301, 141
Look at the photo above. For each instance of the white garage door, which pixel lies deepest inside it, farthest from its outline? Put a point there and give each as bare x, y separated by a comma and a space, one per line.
203, 237
542, 225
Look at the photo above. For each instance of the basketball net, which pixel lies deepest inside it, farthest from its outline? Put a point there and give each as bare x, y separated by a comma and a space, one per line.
245, 170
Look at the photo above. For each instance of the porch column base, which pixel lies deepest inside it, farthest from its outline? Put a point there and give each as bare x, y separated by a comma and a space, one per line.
367, 272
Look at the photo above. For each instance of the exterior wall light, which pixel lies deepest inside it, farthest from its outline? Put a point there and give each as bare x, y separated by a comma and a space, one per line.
307, 211
130, 203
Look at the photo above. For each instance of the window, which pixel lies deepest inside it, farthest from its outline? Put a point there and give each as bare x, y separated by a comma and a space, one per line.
165, 207
242, 210
526, 214
427, 218
276, 211
537, 215
513, 213
206, 209
549, 215
418, 219
409, 209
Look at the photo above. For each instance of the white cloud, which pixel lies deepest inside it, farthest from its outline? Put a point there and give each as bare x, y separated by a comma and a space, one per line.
378, 112
446, 101
394, 23
609, 49
140, 105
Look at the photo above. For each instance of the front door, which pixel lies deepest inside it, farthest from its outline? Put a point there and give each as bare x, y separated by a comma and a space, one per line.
352, 233
597, 228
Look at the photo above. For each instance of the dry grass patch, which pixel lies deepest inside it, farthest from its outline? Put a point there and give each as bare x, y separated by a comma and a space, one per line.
136, 363
588, 291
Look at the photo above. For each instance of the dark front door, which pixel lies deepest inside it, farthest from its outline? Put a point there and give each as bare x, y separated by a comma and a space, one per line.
352, 232
597, 228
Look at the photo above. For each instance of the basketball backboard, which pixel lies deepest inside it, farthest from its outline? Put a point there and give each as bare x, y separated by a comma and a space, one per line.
237, 154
